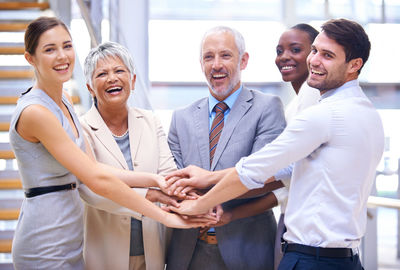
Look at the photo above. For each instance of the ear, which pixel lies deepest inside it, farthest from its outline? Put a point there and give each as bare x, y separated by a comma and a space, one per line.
133, 82
29, 58
244, 60
90, 90
201, 65
355, 65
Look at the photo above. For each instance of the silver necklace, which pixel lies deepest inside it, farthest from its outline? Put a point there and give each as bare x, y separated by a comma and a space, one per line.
120, 136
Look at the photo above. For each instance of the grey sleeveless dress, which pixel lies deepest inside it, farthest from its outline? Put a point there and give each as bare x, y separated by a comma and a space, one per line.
49, 233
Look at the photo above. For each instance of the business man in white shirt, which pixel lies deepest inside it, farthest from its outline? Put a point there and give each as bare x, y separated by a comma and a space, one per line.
336, 146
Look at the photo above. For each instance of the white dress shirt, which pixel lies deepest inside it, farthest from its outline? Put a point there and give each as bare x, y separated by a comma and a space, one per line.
306, 97
336, 145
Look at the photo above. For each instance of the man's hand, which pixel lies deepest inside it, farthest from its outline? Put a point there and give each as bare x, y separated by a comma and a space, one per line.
155, 195
180, 182
223, 217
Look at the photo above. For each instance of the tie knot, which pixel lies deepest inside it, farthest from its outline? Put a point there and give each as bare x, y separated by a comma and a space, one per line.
221, 107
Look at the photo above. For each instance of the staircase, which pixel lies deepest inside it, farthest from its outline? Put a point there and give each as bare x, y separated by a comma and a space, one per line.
15, 77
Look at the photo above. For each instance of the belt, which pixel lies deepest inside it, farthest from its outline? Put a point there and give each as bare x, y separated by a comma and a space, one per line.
32, 192
209, 238
319, 251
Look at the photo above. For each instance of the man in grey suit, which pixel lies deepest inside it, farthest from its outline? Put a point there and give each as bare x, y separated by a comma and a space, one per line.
214, 133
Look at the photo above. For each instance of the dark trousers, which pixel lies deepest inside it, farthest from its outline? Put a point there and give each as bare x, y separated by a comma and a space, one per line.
300, 261
206, 256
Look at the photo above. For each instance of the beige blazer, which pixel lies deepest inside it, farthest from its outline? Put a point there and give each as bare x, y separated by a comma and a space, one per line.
107, 225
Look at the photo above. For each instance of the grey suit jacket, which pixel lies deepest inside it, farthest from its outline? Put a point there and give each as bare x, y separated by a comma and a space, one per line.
254, 120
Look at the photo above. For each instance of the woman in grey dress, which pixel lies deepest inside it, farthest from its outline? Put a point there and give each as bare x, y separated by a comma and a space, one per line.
49, 145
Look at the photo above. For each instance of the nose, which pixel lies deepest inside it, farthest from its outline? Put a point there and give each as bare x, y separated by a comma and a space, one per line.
111, 77
284, 56
61, 54
217, 63
313, 59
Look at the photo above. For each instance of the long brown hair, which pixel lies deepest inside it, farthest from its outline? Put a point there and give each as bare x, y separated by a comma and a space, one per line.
36, 28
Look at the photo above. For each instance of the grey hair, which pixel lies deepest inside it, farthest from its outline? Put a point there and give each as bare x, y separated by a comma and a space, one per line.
103, 51
239, 40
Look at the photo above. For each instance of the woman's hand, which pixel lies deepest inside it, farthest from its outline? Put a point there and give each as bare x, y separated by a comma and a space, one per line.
161, 183
188, 208
176, 221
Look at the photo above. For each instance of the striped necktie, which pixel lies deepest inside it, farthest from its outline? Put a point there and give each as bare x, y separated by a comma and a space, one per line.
216, 127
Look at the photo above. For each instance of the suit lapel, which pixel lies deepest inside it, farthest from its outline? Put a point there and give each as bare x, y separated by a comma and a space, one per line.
104, 135
135, 125
239, 109
201, 126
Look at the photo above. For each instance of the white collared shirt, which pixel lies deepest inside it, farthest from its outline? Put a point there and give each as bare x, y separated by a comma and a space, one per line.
336, 146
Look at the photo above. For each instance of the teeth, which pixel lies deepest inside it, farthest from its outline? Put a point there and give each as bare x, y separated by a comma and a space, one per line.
317, 72
114, 89
287, 67
218, 76
61, 67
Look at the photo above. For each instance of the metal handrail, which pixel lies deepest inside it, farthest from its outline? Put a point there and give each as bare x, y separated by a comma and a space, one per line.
374, 201
86, 17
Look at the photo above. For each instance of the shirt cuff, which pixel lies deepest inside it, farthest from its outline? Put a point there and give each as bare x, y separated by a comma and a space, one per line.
245, 179
284, 174
281, 194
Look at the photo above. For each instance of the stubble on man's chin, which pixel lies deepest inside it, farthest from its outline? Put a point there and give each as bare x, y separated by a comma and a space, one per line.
221, 95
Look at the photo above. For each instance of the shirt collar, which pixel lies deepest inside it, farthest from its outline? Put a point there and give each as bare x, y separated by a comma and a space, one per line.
350, 86
230, 100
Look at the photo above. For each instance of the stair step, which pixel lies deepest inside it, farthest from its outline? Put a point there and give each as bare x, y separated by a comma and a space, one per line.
6, 266
26, 15
13, 100
12, 87
4, 126
11, 50
8, 100
5, 243
10, 179
5, 122
6, 152
6, 234
16, 74
5, 247
10, 183
13, 26
9, 214
9, 209
24, 5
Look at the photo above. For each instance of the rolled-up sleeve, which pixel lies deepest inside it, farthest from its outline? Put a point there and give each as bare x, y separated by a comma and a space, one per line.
304, 134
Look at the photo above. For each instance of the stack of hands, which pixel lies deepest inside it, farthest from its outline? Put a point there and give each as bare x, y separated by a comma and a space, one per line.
180, 192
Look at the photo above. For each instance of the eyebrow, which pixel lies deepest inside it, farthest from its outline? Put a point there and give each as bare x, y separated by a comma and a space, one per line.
53, 44
324, 50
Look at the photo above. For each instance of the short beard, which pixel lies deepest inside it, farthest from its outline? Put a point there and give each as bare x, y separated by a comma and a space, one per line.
224, 93
228, 91
325, 86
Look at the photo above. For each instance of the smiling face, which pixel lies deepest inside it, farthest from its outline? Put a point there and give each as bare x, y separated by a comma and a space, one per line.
221, 64
111, 83
291, 55
327, 64
54, 57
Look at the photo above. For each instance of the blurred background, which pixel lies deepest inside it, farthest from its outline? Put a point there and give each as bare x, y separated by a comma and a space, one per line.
164, 38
